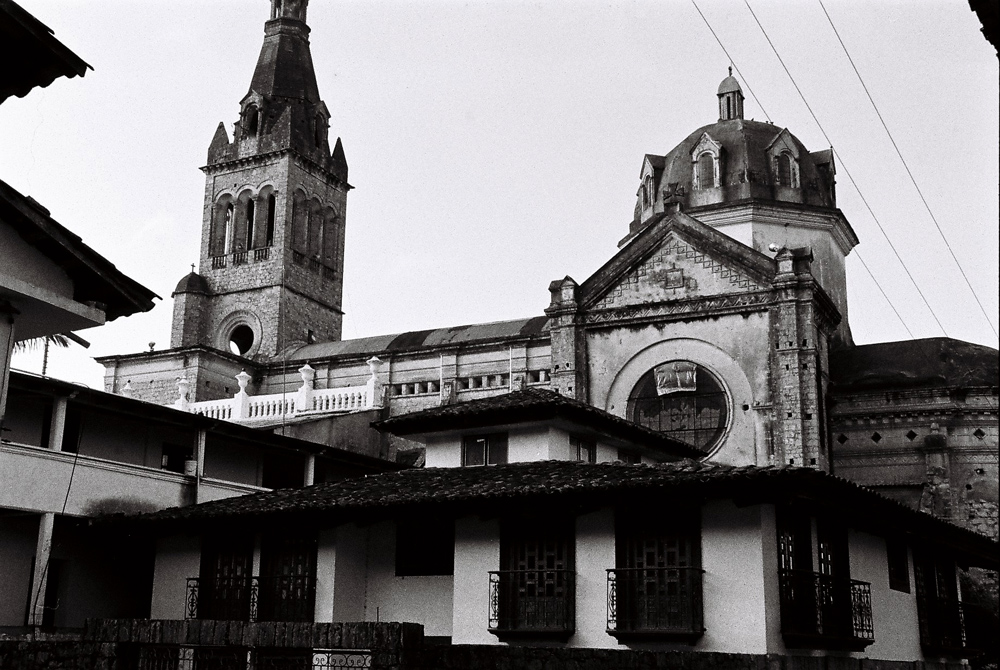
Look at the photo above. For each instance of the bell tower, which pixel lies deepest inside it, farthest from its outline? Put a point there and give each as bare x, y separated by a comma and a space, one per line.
272, 244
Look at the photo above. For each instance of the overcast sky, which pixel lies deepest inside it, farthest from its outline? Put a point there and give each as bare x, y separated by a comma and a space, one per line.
495, 146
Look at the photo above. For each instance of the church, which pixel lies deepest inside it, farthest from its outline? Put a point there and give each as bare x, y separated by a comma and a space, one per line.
722, 321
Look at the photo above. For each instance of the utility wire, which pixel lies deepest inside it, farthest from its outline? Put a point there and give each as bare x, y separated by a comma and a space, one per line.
908, 172
733, 62
847, 172
856, 253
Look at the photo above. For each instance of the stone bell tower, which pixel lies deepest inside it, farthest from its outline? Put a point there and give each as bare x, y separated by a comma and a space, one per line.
272, 242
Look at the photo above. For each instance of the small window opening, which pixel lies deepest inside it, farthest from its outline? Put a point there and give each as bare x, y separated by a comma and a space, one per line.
250, 218
706, 171
228, 243
585, 450
484, 450
241, 339
250, 121
785, 170
271, 206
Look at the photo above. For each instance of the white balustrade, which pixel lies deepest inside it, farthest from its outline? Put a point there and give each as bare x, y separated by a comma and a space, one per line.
304, 401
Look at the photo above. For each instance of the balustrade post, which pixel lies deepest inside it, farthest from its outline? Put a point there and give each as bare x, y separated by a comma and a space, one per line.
241, 401
127, 389
373, 392
183, 389
303, 400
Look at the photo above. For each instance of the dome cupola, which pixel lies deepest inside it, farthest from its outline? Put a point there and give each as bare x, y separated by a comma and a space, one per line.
730, 98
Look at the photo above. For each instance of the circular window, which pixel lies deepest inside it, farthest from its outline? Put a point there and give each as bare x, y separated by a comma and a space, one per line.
683, 400
241, 339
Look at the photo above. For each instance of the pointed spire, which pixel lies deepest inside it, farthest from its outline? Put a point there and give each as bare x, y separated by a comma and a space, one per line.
285, 67
338, 162
218, 150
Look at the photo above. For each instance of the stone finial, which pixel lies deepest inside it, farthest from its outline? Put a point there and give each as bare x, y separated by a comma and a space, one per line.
375, 396
243, 379
183, 391
308, 374
127, 389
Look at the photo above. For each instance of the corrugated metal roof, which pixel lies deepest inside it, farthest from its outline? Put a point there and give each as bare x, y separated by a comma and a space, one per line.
424, 339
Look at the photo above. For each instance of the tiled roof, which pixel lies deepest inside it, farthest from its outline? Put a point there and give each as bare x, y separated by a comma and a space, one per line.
545, 484
40, 57
531, 404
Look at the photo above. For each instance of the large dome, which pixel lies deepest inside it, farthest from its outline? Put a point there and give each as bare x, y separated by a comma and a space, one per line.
732, 161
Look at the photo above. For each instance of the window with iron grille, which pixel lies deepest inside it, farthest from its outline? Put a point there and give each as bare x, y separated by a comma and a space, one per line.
533, 594
484, 449
655, 590
225, 581
287, 583
683, 400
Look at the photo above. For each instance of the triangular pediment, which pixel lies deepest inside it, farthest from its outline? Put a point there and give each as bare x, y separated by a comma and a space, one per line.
706, 143
676, 258
783, 142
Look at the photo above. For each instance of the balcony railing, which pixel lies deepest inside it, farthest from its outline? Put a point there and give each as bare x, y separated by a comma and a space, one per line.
660, 603
825, 612
280, 598
532, 603
942, 626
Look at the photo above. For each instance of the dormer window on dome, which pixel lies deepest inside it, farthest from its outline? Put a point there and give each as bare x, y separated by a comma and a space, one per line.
646, 192
250, 121
707, 163
783, 154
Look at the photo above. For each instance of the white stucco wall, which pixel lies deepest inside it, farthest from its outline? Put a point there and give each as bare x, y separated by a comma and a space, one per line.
426, 600
178, 558
733, 559
477, 551
595, 553
894, 613
326, 571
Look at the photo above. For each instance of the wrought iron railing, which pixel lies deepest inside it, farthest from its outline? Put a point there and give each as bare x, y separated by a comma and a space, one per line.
532, 602
133, 656
942, 625
279, 598
655, 602
825, 612
222, 598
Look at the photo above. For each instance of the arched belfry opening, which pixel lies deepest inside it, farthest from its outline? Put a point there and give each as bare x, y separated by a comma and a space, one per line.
730, 98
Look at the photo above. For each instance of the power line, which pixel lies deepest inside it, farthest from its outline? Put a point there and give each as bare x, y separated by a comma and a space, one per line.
847, 172
731, 60
856, 253
907, 167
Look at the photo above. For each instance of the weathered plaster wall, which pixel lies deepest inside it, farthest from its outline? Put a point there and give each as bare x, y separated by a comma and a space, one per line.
178, 558
477, 551
427, 600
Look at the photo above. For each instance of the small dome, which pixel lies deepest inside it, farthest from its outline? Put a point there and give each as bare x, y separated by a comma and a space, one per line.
192, 282
729, 85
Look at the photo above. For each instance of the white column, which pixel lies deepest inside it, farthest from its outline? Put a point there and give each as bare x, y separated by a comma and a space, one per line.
183, 389
57, 423
43, 551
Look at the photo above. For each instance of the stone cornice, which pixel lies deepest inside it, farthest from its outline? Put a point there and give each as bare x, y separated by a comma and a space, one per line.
709, 307
831, 220
307, 163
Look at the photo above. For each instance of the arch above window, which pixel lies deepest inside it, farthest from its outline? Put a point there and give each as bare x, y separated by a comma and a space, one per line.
706, 160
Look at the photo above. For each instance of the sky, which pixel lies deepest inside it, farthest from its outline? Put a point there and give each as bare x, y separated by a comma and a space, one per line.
496, 146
